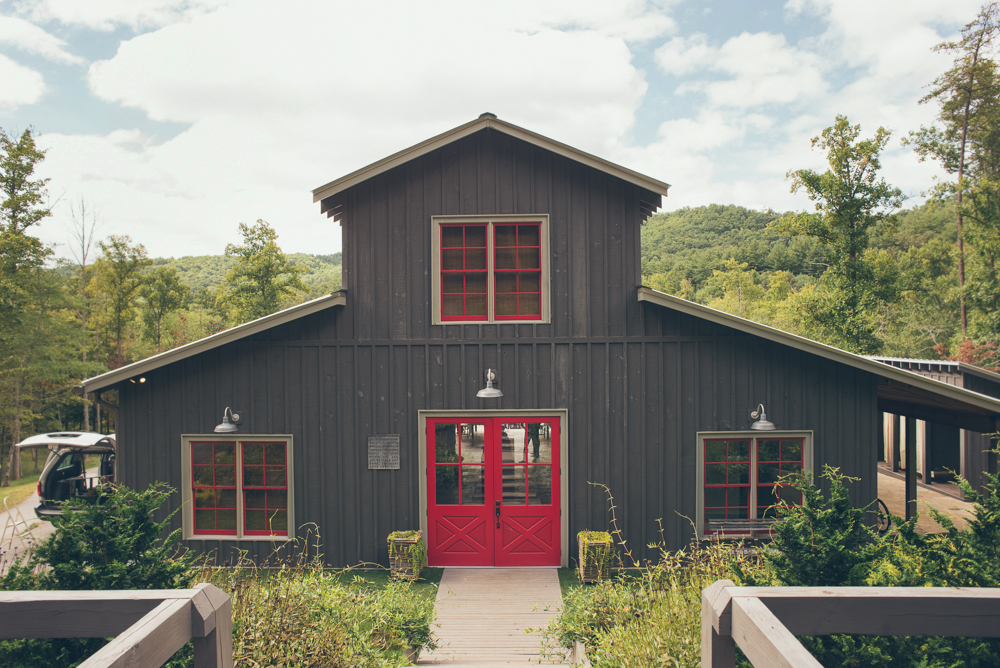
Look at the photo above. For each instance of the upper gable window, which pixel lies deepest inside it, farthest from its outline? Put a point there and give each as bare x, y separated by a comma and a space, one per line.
490, 269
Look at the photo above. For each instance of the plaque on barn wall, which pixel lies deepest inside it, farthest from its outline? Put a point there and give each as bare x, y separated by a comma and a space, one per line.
383, 451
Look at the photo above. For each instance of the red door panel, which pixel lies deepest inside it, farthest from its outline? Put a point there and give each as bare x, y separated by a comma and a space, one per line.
493, 492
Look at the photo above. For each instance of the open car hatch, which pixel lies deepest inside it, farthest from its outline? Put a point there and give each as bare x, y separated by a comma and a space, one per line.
84, 441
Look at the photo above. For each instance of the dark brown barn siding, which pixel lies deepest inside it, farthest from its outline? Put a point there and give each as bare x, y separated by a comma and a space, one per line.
639, 381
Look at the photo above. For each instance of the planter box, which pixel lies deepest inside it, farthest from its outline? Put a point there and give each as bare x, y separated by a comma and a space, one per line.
590, 570
399, 562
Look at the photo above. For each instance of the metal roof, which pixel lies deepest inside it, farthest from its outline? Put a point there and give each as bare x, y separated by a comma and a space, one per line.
954, 364
214, 341
487, 121
869, 364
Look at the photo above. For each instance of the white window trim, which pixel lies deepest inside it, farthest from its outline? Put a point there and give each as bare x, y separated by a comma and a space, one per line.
702, 436
437, 221
187, 502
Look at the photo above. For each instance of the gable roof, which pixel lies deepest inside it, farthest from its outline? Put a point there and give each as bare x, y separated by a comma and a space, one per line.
484, 121
209, 342
985, 404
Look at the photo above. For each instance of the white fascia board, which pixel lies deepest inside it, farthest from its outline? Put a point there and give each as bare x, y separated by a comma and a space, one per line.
209, 342
486, 121
821, 349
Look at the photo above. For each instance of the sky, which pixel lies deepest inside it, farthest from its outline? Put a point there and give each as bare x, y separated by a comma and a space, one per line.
175, 120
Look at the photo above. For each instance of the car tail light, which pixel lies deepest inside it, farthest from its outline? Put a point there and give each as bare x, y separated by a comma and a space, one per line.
38, 489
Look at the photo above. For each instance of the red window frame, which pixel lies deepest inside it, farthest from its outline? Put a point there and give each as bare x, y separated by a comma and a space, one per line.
512, 274
271, 473
195, 488
791, 456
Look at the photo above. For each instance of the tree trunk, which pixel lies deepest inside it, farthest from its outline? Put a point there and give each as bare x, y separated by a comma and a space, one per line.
13, 469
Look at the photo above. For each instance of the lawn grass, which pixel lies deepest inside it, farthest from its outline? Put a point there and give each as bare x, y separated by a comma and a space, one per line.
426, 586
569, 578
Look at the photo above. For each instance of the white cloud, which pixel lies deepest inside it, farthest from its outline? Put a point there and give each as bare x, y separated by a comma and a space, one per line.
21, 85
108, 14
27, 36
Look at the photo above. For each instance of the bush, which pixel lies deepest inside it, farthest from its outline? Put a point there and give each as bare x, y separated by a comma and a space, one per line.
114, 544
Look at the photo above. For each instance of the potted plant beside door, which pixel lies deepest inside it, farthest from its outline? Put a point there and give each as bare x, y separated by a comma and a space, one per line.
407, 554
596, 553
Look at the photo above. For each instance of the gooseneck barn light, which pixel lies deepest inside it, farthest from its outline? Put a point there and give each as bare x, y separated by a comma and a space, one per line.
763, 424
228, 426
489, 392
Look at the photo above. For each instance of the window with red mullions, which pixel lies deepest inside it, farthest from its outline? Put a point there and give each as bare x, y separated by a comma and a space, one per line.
727, 479
517, 271
213, 486
265, 488
464, 274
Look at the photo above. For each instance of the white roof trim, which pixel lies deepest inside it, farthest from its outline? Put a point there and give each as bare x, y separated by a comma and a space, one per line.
486, 121
962, 366
214, 341
820, 349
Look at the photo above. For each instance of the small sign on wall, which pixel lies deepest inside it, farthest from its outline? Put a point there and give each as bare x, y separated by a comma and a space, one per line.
383, 451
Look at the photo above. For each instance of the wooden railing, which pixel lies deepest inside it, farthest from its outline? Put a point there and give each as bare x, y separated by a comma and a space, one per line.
764, 621
148, 626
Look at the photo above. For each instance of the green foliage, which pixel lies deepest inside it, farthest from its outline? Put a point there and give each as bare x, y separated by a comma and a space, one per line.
597, 554
297, 614
119, 273
162, 293
114, 544
415, 553
22, 206
852, 204
262, 275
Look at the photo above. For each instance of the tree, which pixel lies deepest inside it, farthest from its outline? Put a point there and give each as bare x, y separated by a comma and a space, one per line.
961, 92
119, 276
162, 293
262, 275
84, 227
852, 203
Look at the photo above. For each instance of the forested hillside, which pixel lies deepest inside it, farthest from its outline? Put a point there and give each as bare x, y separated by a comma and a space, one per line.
201, 272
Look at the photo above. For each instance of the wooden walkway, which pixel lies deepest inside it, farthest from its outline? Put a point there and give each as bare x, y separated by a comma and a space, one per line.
482, 614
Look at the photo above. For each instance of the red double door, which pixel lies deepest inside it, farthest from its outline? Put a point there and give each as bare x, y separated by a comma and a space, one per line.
493, 491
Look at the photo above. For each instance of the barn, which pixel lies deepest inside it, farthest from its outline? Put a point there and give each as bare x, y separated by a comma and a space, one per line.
491, 355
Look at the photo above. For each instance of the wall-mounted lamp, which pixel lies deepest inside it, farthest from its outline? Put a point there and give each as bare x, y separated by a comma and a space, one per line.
489, 392
763, 424
228, 426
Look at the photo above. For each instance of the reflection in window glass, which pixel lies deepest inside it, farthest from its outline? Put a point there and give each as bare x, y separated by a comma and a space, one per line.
539, 485
473, 485
446, 485
514, 487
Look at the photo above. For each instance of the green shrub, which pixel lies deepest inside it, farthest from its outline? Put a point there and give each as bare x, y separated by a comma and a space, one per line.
111, 545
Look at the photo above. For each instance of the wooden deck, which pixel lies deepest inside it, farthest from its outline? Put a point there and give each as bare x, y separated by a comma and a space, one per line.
482, 614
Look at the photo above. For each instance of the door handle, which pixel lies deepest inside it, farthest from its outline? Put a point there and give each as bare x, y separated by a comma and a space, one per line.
497, 506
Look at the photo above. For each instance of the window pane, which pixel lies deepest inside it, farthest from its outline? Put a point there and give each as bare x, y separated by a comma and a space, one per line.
539, 485
454, 283
530, 304
203, 476
791, 451
454, 305
475, 305
255, 520
787, 469
514, 491
275, 476
452, 259
226, 519
505, 236
766, 496
739, 474
506, 282
445, 443
527, 258
539, 438
527, 235
739, 451
254, 498
279, 521
529, 281
738, 514
475, 258
253, 476
767, 474
201, 453
715, 474
790, 495
715, 451
225, 476
204, 520
506, 304
475, 235
277, 498
506, 258
226, 498
475, 282
446, 484
253, 453
274, 453
738, 496
767, 451
473, 485
451, 236
715, 497
204, 498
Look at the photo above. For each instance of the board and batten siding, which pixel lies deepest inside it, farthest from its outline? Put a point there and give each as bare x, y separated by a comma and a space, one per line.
635, 406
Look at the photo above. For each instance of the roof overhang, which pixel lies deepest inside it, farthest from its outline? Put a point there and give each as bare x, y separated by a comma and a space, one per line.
209, 342
899, 391
483, 122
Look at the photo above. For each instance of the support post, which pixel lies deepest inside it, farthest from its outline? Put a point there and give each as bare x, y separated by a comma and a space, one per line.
894, 441
925, 453
911, 467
